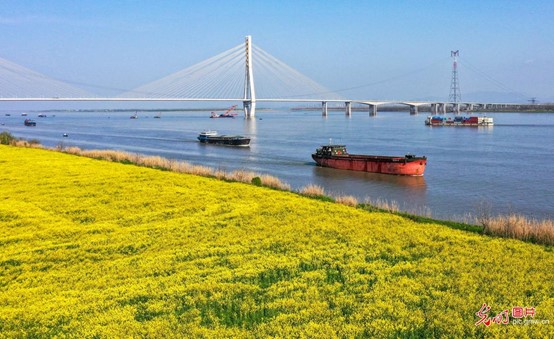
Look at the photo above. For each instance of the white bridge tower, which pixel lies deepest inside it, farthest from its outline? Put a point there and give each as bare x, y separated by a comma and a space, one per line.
249, 99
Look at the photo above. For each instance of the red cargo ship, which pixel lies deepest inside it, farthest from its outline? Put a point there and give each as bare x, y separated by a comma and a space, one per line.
336, 156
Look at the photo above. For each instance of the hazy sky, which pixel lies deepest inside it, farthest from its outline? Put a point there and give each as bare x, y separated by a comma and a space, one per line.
386, 49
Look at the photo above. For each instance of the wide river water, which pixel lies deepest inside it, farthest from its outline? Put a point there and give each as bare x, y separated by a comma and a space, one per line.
508, 168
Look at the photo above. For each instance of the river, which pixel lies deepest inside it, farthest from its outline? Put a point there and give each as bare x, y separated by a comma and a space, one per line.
508, 168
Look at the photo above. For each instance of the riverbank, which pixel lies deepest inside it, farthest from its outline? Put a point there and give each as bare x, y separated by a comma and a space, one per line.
515, 226
96, 248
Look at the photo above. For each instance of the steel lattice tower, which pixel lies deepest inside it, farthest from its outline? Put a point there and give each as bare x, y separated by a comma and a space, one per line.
455, 94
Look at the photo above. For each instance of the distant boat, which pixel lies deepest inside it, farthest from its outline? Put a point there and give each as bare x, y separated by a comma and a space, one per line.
134, 116
211, 137
23, 114
8, 114
29, 122
65, 135
228, 113
42, 115
158, 116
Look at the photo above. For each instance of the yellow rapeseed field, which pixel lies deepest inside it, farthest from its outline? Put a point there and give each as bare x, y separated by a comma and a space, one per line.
90, 248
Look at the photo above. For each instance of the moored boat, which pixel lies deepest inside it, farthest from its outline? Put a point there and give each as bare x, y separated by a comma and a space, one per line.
336, 156
458, 121
212, 137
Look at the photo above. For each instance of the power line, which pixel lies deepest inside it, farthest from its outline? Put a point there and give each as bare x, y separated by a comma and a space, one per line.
489, 78
393, 78
19, 81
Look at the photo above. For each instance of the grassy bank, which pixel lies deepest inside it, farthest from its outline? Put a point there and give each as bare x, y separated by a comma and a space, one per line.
508, 226
92, 248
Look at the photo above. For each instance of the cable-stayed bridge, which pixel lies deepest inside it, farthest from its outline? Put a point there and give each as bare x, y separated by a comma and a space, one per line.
244, 73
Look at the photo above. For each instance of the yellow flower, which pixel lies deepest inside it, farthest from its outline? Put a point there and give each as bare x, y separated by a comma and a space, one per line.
92, 248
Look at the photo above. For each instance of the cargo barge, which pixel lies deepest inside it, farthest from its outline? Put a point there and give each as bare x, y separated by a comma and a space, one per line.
211, 137
336, 156
458, 121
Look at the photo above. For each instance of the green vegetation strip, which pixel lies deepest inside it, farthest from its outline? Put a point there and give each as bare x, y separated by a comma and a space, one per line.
90, 248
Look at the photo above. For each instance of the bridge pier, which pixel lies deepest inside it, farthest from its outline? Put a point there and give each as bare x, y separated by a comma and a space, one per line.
456, 108
372, 110
324, 108
348, 110
413, 110
249, 108
440, 108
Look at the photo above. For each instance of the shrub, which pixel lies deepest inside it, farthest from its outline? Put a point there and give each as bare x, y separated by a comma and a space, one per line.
6, 138
256, 181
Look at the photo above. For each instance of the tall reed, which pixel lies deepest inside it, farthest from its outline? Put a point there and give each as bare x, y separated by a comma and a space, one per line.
520, 227
347, 200
312, 190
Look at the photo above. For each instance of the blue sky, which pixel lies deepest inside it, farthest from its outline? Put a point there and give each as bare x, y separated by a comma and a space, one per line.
387, 49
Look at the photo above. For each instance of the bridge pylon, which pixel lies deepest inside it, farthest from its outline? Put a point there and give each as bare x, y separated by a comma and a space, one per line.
249, 101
